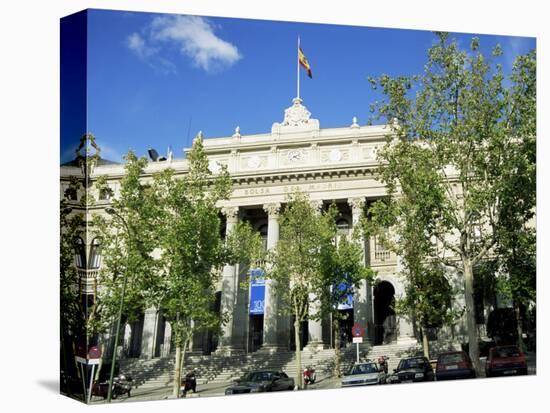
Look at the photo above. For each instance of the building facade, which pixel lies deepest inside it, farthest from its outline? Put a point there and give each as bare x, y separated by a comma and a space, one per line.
329, 165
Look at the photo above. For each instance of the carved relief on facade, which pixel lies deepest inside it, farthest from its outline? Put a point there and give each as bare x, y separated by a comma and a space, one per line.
334, 155
370, 152
254, 162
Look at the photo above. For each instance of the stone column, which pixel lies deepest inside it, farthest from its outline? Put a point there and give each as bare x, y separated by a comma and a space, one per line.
126, 342
229, 288
315, 327
272, 334
405, 332
167, 338
362, 308
149, 333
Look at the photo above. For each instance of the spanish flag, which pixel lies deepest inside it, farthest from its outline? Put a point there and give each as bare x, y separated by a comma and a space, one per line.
303, 62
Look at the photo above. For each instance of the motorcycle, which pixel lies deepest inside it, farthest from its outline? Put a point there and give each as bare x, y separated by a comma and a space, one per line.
189, 382
121, 385
383, 362
309, 375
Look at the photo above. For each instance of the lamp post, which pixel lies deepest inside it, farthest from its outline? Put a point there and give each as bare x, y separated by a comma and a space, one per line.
112, 211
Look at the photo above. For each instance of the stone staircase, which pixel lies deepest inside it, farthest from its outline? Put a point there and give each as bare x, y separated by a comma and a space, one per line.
321, 359
217, 368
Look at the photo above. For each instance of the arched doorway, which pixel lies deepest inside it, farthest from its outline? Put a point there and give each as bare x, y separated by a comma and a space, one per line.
385, 330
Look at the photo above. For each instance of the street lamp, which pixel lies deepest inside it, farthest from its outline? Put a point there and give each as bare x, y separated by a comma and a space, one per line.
112, 211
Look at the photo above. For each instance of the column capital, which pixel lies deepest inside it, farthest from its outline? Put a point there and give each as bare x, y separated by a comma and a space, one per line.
273, 208
317, 205
231, 213
357, 204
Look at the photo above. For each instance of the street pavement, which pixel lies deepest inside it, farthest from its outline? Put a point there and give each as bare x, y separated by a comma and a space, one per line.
218, 389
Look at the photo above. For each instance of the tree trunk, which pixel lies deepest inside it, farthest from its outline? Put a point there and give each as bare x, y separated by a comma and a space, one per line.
425, 344
177, 369
473, 345
519, 328
337, 352
299, 375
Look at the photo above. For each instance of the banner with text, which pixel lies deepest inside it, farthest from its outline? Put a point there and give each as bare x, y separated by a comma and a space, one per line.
257, 292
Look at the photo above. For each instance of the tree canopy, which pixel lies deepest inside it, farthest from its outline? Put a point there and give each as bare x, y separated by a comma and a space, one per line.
449, 157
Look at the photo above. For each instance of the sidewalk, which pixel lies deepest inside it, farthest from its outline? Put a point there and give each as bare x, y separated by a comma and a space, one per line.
218, 389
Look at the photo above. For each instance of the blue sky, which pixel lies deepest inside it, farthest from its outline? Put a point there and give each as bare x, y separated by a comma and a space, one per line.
156, 80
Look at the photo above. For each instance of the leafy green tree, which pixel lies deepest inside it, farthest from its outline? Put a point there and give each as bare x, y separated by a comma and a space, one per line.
428, 297
516, 236
428, 293
454, 125
72, 311
125, 230
190, 249
293, 264
341, 270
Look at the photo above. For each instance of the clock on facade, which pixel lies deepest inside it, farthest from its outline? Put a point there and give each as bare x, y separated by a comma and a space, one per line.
294, 156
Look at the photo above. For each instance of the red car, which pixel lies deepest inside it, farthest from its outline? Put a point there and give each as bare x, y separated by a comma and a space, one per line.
454, 365
505, 361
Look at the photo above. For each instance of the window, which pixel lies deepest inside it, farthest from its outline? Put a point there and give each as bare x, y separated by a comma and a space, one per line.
70, 194
364, 369
343, 228
263, 233
80, 253
95, 253
105, 193
380, 251
476, 233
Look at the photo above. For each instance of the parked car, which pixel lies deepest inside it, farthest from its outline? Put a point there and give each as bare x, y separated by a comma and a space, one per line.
454, 365
261, 381
412, 369
364, 373
505, 361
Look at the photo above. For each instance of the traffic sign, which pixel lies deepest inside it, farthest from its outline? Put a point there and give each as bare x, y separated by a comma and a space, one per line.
357, 331
358, 340
94, 352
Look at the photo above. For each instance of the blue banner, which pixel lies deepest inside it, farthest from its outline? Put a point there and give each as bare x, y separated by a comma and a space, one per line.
257, 292
347, 304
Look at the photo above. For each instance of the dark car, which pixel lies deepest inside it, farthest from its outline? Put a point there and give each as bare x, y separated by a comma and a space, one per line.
261, 381
454, 365
412, 369
505, 361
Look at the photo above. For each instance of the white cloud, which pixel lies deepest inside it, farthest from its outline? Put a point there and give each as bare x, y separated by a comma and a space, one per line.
137, 44
193, 37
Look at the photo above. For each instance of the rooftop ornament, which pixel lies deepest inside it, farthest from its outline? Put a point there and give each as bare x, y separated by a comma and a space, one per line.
237, 134
87, 160
296, 117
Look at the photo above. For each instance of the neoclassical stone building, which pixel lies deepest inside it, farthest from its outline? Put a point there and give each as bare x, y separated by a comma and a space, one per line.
330, 165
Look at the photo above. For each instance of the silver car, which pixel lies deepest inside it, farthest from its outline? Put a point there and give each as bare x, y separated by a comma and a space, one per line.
362, 374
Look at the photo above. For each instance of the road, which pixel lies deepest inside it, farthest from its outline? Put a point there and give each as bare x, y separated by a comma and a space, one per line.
217, 389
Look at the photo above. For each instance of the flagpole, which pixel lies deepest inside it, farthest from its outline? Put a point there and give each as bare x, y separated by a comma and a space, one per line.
298, 70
